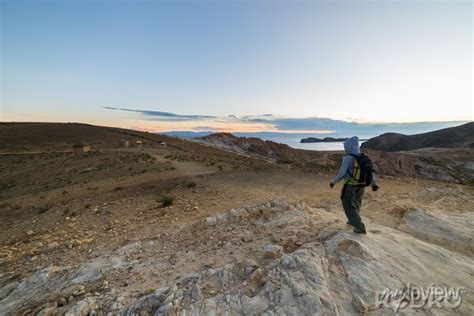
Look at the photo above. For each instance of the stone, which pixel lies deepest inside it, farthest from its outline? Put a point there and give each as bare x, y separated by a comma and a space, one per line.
304, 282
53, 245
48, 311
38, 287
30, 232
211, 221
82, 308
256, 276
359, 304
240, 212
336, 273
453, 231
7, 289
271, 251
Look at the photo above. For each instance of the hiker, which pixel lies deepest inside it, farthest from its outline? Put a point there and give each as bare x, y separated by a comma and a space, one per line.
357, 172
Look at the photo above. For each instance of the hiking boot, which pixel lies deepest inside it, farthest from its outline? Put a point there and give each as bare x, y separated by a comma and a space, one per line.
360, 231
349, 223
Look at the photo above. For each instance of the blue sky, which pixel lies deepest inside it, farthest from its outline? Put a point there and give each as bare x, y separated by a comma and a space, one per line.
378, 61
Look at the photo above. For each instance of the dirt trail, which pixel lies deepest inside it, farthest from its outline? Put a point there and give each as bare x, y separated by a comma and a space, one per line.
182, 168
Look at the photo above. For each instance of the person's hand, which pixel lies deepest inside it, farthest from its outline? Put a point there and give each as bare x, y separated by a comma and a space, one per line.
331, 185
375, 188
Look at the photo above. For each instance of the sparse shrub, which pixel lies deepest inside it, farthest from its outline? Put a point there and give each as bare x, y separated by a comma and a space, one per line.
118, 188
165, 200
189, 184
42, 209
470, 182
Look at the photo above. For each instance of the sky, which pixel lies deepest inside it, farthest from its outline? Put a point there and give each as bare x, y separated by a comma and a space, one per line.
283, 66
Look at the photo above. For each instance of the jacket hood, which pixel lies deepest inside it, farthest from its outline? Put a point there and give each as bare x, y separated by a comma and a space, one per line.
351, 145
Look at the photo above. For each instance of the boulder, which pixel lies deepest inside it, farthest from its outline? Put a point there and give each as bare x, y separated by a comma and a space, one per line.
272, 251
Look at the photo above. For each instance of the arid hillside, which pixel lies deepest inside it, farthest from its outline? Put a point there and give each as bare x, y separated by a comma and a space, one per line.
453, 137
183, 228
444, 164
258, 148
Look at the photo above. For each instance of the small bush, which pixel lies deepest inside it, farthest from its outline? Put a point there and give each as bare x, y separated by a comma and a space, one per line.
470, 182
42, 209
165, 200
189, 184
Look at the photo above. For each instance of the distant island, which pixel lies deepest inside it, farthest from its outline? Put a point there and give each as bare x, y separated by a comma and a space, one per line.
322, 140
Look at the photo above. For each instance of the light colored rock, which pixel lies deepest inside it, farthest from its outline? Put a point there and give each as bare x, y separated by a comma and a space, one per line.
211, 221
334, 273
48, 311
338, 276
222, 217
454, 231
82, 308
359, 304
61, 281
53, 245
272, 251
7, 289
240, 212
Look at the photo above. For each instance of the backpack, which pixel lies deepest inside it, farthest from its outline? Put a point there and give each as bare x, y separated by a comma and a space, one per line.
362, 172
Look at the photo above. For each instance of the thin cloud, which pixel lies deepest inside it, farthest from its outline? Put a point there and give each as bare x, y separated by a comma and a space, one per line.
273, 123
160, 114
211, 129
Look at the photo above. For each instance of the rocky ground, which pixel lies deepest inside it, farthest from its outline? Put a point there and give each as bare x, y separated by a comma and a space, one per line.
189, 230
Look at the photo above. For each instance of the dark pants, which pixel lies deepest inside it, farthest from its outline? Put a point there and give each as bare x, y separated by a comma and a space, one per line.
351, 197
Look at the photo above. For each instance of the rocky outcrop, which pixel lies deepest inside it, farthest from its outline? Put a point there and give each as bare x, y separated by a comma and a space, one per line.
60, 285
339, 275
454, 231
333, 272
258, 148
450, 165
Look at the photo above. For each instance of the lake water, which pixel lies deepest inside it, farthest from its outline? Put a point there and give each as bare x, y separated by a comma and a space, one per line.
294, 142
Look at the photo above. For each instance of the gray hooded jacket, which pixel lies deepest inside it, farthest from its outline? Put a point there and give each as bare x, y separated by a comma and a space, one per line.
351, 146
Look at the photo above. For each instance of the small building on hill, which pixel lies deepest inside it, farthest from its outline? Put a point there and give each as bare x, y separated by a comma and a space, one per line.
81, 147
124, 143
163, 144
138, 143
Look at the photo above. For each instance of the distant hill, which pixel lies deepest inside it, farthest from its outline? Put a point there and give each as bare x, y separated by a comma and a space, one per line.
258, 148
454, 137
20, 137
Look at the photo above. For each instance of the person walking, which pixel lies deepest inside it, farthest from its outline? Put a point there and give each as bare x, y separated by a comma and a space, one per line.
357, 172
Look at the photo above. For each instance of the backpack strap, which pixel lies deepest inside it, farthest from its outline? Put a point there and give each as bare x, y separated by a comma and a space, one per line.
355, 157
